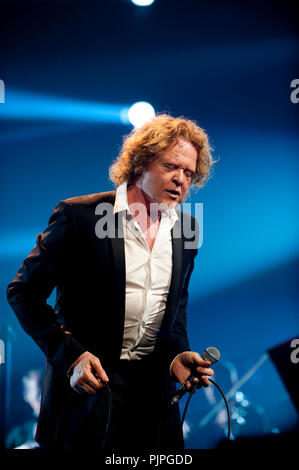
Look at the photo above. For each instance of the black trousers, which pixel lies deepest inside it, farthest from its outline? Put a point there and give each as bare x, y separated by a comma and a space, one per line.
140, 415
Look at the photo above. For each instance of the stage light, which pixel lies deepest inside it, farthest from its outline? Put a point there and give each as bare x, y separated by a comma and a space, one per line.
241, 420
244, 403
33, 106
140, 112
142, 3
239, 396
275, 430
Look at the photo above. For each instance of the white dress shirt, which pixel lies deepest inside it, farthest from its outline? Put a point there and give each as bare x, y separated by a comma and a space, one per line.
148, 277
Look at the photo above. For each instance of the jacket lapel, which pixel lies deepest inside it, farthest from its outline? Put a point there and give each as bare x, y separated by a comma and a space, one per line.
172, 299
116, 239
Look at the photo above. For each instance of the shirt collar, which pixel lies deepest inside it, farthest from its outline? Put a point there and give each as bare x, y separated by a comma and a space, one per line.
121, 199
121, 204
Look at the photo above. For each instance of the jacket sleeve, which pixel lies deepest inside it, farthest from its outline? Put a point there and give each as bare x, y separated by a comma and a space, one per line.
33, 284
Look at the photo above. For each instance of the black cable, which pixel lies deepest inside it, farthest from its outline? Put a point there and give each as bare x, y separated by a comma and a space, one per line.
225, 401
227, 409
193, 390
60, 428
109, 414
61, 423
191, 393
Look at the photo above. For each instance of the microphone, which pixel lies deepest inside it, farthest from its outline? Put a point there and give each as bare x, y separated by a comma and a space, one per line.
210, 354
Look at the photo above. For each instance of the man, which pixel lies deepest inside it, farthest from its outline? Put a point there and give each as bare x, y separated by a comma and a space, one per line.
116, 341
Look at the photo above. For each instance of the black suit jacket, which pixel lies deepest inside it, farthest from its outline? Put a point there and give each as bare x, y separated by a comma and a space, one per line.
89, 275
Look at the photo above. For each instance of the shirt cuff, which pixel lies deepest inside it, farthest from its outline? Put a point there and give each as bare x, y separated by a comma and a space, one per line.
68, 374
70, 370
172, 363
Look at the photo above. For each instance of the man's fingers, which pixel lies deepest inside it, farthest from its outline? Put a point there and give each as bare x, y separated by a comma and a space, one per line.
84, 388
188, 385
88, 383
199, 361
85, 378
92, 381
202, 363
204, 371
190, 362
203, 381
205, 364
88, 375
202, 378
98, 370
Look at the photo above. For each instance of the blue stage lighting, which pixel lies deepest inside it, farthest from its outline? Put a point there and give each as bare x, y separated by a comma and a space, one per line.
140, 112
32, 106
142, 3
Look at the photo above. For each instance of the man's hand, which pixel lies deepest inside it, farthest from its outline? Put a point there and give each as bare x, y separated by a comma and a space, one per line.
187, 360
87, 374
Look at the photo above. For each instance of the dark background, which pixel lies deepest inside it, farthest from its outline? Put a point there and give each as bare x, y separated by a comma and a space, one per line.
229, 66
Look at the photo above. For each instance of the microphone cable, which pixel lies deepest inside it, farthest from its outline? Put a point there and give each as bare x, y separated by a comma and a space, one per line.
109, 414
191, 393
61, 423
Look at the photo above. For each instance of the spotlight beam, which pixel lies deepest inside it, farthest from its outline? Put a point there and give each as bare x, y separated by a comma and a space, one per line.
30, 106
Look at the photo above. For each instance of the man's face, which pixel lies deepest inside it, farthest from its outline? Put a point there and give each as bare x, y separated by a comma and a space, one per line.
168, 177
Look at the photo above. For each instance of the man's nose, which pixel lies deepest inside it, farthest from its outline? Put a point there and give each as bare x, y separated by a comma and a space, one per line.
179, 177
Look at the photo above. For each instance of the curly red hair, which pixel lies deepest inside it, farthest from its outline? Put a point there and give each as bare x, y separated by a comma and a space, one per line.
146, 143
